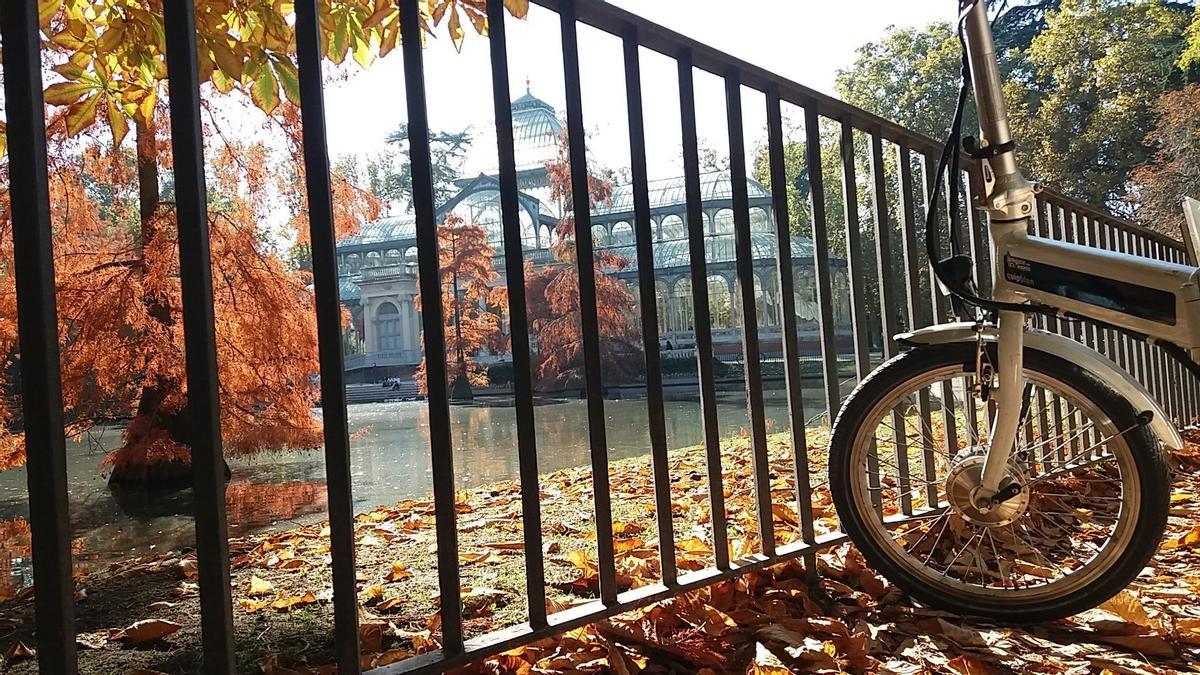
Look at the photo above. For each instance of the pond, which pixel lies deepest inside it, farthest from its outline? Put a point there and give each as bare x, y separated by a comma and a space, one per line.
390, 458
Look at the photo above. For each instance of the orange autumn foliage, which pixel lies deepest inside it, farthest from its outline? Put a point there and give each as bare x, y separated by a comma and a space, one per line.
553, 296
120, 310
115, 247
470, 305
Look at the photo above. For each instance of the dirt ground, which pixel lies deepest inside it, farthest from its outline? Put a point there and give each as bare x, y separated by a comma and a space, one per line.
775, 620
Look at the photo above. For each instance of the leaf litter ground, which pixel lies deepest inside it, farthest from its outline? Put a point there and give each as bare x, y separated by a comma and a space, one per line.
143, 614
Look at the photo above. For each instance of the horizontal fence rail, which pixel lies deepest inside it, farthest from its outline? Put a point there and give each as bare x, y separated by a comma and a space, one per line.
883, 174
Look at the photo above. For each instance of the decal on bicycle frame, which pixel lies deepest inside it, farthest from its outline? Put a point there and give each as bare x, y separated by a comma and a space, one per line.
1145, 303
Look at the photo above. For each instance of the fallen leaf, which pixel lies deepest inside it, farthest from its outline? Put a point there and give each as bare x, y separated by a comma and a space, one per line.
18, 652
969, 664
147, 631
96, 640
1149, 645
370, 636
284, 604
1129, 607
372, 594
627, 529
187, 569
251, 606
1186, 540
473, 558
398, 573
258, 587
506, 546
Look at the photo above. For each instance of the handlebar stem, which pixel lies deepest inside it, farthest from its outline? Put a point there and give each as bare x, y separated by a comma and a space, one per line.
1007, 196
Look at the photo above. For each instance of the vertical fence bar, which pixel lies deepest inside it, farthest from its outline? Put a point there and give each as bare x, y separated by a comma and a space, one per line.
821, 269
199, 336
939, 301
433, 327
1088, 237
854, 272
1127, 347
37, 331
1104, 238
594, 387
644, 241
744, 267
916, 317
854, 254
888, 305
883, 247
912, 266
980, 241
791, 346
703, 322
329, 337
514, 270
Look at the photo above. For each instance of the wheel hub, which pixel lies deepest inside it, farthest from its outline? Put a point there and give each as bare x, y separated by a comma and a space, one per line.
962, 490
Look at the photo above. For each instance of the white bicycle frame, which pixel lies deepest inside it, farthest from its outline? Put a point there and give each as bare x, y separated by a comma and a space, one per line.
1144, 296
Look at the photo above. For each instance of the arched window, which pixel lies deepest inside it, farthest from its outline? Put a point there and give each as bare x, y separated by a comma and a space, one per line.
373, 258
723, 222
392, 257
599, 236
764, 303
410, 254
622, 234
759, 222
806, 293
387, 328
673, 228
353, 262
681, 306
720, 302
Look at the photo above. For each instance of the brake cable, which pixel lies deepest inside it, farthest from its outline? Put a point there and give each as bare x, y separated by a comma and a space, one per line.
953, 273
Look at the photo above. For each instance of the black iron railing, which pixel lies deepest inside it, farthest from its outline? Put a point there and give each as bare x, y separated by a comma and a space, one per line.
904, 299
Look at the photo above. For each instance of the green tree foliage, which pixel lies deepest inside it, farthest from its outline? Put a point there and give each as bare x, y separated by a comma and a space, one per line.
1095, 70
389, 175
1082, 77
1190, 59
910, 76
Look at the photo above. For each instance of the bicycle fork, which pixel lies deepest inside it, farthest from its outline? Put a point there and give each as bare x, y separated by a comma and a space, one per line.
1008, 388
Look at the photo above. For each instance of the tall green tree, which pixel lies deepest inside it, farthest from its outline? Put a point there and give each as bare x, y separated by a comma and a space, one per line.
910, 76
1096, 69
389, 175
1082, 77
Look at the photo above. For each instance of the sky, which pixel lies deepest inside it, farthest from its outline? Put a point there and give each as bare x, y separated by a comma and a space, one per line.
803, 40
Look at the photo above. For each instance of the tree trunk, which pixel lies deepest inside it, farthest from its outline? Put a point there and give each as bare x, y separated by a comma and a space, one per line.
135, 474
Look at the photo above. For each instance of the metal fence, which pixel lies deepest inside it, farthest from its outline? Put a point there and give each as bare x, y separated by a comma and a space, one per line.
891, 212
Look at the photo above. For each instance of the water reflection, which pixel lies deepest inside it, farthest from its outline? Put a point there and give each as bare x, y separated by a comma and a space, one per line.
390, 460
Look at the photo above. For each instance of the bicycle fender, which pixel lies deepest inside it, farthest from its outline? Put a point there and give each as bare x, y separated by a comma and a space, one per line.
1070, 350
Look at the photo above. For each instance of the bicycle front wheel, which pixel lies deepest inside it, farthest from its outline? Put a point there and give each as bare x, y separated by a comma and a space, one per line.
908, 449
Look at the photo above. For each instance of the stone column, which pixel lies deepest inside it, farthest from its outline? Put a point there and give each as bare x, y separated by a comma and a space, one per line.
369, 345
414, 324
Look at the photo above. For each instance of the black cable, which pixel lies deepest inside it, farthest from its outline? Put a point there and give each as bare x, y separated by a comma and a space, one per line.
950, 158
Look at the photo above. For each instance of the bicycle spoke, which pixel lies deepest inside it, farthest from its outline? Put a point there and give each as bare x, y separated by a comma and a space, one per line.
923, 451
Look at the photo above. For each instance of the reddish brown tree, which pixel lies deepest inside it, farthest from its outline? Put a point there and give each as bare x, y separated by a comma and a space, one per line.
1174, 171
470, 305
553, 296
120, 308
116, 252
